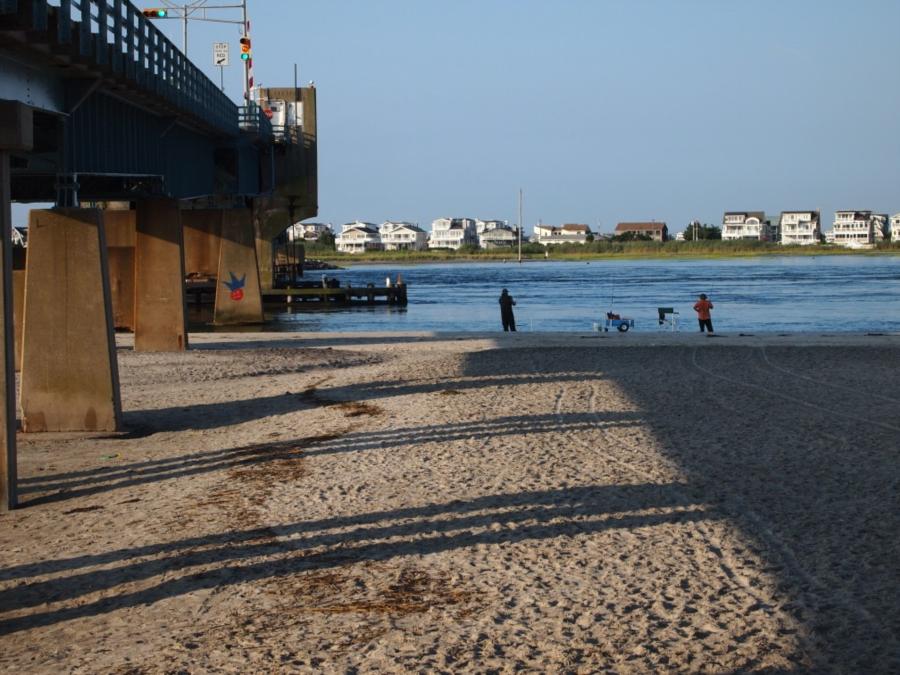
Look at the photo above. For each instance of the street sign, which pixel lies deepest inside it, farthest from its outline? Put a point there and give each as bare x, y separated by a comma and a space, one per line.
220, 53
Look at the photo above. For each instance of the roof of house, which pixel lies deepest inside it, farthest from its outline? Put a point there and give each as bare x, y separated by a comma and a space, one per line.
575, 227
759, 215
368, 228
408, 226
630, 227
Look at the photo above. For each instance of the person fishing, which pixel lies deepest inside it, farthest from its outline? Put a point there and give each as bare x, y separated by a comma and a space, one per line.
506, 311
702, 307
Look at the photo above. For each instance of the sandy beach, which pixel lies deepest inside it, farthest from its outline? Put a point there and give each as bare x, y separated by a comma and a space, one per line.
556, 503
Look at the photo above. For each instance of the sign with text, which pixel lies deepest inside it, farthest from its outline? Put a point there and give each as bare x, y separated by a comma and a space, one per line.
220, 53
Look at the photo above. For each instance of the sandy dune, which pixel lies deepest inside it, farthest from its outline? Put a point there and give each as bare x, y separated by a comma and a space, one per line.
547, 503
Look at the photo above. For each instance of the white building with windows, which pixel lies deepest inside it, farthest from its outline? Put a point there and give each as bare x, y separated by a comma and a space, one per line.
800, 227
895, 227
453, 233
307, 231
750, 225
858, 229
402, 236
502, 236
496, 234
358, 237
571, 233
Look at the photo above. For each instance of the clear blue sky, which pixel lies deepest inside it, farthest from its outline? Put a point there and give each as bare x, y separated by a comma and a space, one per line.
602, 110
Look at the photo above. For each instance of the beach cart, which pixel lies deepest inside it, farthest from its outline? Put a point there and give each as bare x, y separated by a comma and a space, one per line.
620, 323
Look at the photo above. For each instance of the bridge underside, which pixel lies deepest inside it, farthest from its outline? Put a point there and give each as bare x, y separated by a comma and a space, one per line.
97, 106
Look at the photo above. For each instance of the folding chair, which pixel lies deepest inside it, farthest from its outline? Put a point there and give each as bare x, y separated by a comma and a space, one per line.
668, 318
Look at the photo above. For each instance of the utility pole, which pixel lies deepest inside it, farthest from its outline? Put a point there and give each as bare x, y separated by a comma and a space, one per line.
184, 20
246, 32
521, 224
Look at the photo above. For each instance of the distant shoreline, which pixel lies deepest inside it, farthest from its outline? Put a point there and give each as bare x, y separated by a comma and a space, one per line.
424, 257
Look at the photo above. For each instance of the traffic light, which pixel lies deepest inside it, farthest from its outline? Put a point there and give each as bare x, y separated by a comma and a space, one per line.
245, 48
156, 13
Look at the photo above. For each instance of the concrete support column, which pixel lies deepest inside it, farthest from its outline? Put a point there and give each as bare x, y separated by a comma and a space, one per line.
202, 231
238, 296
70, 379
265, 261
8, 461
16, 134
159, 314
121, 233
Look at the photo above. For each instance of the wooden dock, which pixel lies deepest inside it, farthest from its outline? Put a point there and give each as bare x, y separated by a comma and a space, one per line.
203, 292
347, 295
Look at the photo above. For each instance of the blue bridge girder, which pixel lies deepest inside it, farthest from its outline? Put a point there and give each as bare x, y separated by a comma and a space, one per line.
120, 112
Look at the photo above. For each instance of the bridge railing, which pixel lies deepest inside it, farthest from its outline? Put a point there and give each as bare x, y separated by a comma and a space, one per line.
253, 119
115, 34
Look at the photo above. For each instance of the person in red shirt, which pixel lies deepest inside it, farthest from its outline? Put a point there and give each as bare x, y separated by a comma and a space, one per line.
702, 307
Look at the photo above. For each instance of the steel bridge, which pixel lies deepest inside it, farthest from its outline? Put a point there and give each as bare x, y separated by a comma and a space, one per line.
155, 174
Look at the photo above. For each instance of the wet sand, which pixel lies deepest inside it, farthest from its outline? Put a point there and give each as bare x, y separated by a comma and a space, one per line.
463, 503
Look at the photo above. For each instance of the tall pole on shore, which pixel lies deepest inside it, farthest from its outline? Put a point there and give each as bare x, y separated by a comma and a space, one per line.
521, 224
245, 32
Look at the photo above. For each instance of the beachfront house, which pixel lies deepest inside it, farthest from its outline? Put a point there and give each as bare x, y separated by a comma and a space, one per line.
656, 231
358, 237
570, 233
750, 225
482, 226
800, 227
895, 227
307, 231
402, 236
453, 233
502, 236
858, 229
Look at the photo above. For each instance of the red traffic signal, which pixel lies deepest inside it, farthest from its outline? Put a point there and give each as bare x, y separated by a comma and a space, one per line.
245, 48
156, 13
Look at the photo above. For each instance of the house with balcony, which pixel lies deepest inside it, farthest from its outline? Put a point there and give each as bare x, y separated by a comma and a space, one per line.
307, 232
749, 225
656, 231
895, 228
502, 236
402, 236
570, 233
453, 233
858, 229
358, 237
800, 227
485, 225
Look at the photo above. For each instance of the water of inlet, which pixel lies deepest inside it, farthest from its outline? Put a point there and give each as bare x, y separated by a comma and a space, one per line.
771, 294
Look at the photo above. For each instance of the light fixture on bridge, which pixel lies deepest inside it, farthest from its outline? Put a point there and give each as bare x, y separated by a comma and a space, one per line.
245, 48
156, 13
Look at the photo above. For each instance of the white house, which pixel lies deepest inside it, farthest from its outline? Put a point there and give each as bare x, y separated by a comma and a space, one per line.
402, 236
358, 237
453, 233
858, 229
307, 231
800, 227
485, 225
502, 236
747, 225
571, 233
895, 227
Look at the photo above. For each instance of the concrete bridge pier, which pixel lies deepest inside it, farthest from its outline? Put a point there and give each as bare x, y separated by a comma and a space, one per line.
159, 313
70, 379
238, 294
119, 225
16, 134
